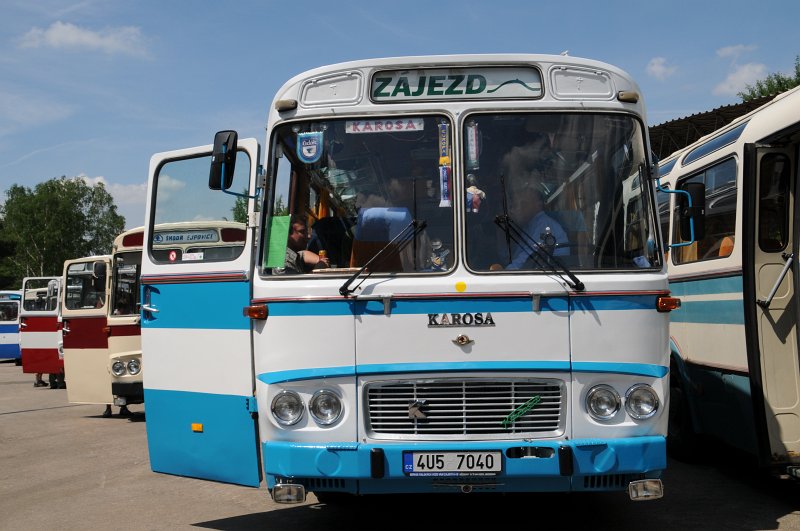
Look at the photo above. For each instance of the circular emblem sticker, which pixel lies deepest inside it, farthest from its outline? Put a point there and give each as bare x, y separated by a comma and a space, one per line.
173, 256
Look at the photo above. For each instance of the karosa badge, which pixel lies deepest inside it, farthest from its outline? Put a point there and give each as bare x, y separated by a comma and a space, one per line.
459, 319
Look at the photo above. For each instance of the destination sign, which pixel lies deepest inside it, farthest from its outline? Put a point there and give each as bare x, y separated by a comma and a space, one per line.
457, 84
178, 237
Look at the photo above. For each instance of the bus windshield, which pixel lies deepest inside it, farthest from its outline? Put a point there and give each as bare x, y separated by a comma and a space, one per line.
568, 185
357, 185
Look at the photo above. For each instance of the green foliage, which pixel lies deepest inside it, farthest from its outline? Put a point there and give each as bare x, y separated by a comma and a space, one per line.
773, 84
57, 220
239, 209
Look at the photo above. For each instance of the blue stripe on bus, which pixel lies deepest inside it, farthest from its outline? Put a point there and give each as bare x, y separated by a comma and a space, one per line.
9, 328
226, 448
709, 312
428, 306
9, 351
706, 286
199, 305
640, 369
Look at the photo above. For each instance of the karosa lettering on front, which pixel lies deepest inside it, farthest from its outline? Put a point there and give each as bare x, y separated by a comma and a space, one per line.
460, 319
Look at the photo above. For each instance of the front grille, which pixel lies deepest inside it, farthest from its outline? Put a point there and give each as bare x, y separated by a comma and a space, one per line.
455, 408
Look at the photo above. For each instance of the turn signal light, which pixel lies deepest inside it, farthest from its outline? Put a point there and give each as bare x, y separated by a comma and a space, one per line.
667, 304
256, 311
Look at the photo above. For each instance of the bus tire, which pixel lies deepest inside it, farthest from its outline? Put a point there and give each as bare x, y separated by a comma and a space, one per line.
682, 441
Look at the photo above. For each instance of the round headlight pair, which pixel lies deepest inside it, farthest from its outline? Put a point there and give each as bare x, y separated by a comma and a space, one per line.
119, 368
325, 407
603, 402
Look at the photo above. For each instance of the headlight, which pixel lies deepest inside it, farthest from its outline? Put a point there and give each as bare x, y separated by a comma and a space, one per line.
641, 402
325, 407
118, 368
134, 367
602, 402
287, 408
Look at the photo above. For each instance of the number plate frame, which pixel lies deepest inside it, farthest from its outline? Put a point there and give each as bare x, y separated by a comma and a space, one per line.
450, 460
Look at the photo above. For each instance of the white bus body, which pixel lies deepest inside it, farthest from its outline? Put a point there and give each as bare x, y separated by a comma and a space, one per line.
9, 325
734, 356
465, 356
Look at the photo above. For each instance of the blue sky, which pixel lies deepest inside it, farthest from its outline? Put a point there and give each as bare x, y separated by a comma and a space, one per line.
92, 88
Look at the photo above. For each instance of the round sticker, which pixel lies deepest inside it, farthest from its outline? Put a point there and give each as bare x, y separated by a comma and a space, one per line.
173, 256
461, 287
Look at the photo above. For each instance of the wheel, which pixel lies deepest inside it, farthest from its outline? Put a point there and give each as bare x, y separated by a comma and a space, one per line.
682, 441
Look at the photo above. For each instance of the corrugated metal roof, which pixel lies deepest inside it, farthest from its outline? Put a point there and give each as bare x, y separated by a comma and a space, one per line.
676, 134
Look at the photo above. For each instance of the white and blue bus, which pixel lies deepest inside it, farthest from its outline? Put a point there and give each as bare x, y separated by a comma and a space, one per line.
735, 369
9, 325
452, 281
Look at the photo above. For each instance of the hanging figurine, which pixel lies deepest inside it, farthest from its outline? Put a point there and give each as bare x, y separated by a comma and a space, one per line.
474, 194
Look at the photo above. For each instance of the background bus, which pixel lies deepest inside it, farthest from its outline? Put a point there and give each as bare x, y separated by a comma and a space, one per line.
9, 325
454, 344
734, 367
40, 338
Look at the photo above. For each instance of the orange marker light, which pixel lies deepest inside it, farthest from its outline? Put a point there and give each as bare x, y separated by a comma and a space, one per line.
256, 311
667, 304
197, 427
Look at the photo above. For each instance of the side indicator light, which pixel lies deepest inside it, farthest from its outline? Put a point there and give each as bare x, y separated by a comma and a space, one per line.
197, 427
256, 311
667, 304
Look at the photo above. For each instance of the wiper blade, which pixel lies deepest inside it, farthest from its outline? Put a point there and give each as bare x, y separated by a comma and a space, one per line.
539, 253
406, 235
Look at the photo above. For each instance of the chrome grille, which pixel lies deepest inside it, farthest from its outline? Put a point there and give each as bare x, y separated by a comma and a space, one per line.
455, 408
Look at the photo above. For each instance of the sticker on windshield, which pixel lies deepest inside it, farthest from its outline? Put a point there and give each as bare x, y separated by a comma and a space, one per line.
309, 146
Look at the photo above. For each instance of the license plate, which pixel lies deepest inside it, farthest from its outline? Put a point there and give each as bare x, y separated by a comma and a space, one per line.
452, 463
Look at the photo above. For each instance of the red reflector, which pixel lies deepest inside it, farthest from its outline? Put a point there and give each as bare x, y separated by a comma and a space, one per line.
667, 304
133, 240
257, 311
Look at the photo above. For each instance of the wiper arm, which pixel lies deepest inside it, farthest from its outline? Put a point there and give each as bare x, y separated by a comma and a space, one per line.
406, 235
539, 253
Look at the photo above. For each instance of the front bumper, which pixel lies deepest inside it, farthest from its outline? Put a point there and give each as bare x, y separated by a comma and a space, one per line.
573, 465
132, 392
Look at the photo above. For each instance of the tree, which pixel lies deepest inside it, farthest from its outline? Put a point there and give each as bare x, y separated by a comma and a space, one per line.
58, 220
773, 84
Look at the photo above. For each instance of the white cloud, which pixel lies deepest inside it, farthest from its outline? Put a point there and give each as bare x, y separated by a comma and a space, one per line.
741, 76
125, 40
129, 198
736, 51
25, 110
659, 69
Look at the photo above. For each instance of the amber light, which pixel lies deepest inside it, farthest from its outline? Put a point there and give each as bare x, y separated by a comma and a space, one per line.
256, 311
667, 304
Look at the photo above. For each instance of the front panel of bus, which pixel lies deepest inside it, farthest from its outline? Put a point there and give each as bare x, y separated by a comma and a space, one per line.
124, 322
40, 328
460, 289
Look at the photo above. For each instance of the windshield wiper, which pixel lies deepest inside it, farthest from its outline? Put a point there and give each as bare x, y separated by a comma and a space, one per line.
539, 252
396, 245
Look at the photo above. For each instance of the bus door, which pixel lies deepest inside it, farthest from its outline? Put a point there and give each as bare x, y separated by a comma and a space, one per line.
774, 274
196, 348
39, 326
84, 325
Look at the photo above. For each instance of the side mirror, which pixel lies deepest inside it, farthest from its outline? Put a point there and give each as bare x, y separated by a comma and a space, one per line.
99, 269
695, 214
223, 160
